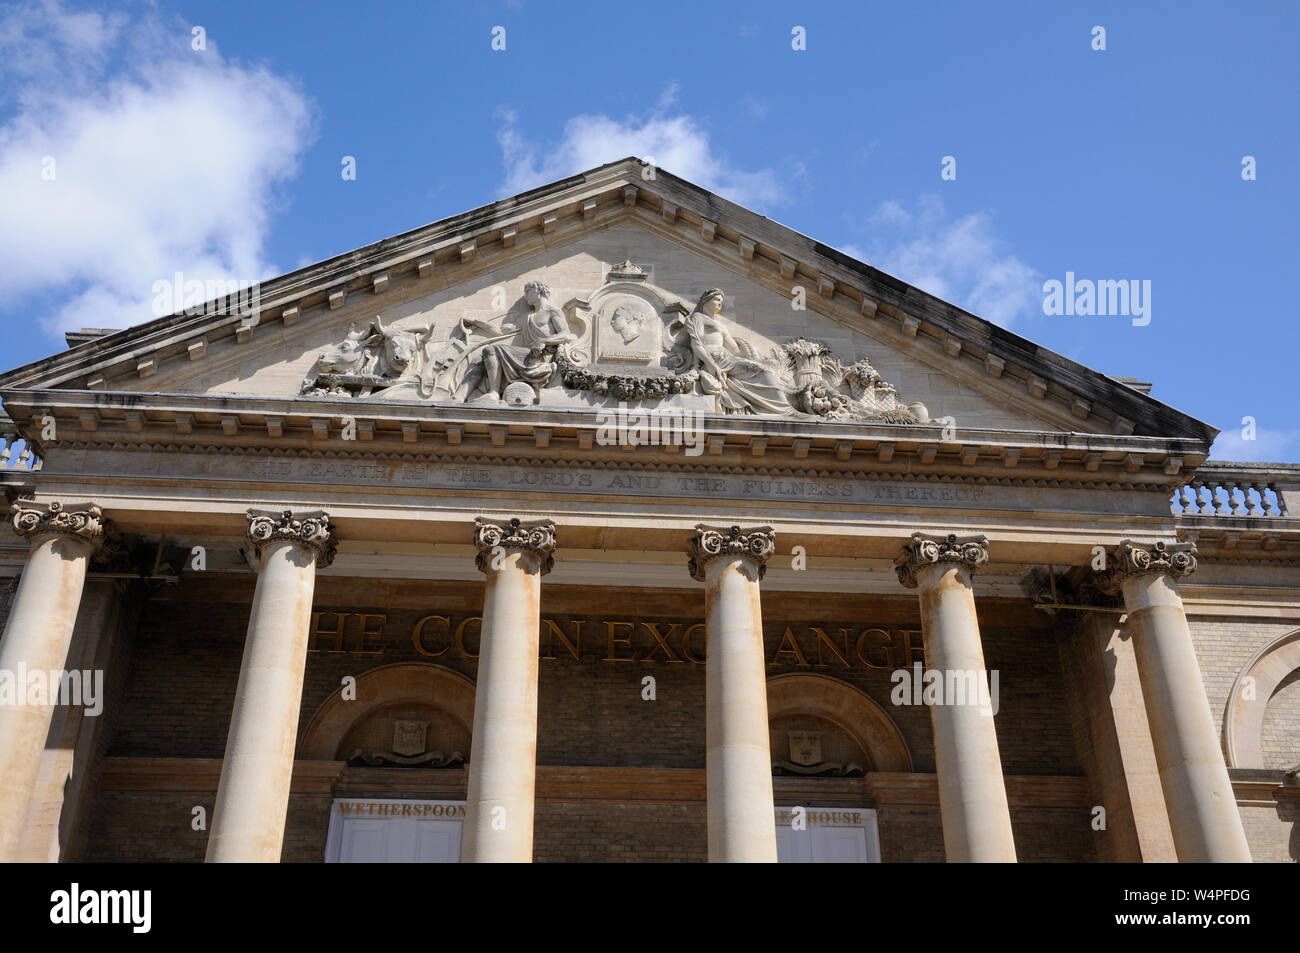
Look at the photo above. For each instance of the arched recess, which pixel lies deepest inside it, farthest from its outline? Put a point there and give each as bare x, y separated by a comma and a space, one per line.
1243, 721
403, 683
855, 713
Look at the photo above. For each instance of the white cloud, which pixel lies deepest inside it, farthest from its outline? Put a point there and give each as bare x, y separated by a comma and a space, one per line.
890, 213
1269, 446
675, 143
959, 260
166, 159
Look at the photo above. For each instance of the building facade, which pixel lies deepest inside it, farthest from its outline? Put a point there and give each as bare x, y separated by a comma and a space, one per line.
613, 521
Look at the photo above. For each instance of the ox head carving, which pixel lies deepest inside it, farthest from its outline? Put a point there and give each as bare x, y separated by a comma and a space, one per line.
401, 349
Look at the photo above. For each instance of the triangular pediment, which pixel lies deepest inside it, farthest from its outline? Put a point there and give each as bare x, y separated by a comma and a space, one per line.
443, 315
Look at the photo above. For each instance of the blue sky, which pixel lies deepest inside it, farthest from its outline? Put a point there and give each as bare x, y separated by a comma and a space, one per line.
1125, 163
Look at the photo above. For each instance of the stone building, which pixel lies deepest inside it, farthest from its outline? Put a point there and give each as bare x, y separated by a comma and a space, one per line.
418, 554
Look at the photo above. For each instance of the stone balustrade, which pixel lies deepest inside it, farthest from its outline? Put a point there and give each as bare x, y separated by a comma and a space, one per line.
1240, 491
15, 452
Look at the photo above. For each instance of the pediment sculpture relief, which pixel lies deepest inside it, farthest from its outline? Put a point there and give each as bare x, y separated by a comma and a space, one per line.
627, 341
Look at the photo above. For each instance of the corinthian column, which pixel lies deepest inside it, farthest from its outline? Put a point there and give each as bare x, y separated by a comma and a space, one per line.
742, 818
253, 795
1202, 809
503, 750
62, 538
972, 794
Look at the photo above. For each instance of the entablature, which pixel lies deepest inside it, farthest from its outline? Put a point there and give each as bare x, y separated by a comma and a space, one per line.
351, 429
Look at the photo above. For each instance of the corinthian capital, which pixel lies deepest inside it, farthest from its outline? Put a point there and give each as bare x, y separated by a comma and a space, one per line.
311, 528
534, 536
1132, 559
926, 550
82, 520
715, 542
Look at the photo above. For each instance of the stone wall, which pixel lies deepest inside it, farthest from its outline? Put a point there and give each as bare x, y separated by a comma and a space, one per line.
1280, 737
1224, 645
1272, 832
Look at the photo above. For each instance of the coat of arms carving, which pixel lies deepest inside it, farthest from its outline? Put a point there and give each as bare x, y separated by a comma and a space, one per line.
805, 747
409, 737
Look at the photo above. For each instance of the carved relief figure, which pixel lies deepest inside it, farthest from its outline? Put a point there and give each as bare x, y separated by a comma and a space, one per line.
531, 360
816, 371
348, 356
879, 398
626, 323
497, 361
393, 354
728, 370
369, 359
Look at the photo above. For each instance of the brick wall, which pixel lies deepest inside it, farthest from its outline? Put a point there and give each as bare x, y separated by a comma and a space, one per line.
187, 653
1280, 734
147, 827
1224, 645
185, 664
8, 588
577, 831
1272, 832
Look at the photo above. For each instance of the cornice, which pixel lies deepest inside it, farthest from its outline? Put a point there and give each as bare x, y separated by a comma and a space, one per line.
1259, 542
698, 465
205, 423
458, 248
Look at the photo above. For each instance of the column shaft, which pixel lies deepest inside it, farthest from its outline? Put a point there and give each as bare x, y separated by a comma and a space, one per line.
35, 640
503, 750
253, 794
1202, 808
741, 810
972, 792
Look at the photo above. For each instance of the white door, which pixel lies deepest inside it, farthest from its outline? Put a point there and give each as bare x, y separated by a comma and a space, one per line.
826, 835
393, 831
